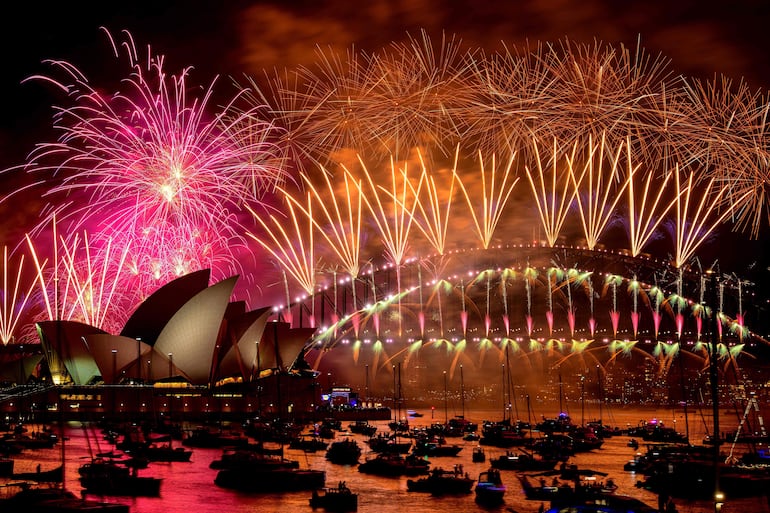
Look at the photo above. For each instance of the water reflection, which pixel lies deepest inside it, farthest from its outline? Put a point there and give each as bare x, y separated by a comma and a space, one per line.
189, 486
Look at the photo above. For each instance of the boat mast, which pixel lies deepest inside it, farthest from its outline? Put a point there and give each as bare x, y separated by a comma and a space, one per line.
505, 404
462, 391
400, 391
601, 391
714, 376
395, 397
446, 412
582, 400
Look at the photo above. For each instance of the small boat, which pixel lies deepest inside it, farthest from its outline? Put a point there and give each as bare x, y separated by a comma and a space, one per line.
490, 490
607, 504
54, 475
335, 499
388, 464
388, 444
362, 427
584, 439
522, 461
308, 443
435, 446
479, 456
23, 497
204, 438
505, 434
343, 452
271, 480
37, 440
655, 431
6, 467
442, 482
164, 453
243, 460
104, 477
563, 493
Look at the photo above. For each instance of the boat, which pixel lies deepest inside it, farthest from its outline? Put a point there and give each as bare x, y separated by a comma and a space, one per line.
442, 482
389, 464
490, 490
37, 440
562, 493
335, 499
6, 467
105, 477
584, 439
308, 443
362, 427
23, 497
435, 446
554, 446
655, 430
388, 444
344, 452
560, 424
693, 478
478, 456
243, 460
504, 434
606, 504
164, 453
522, 461
271, 480
54, 475
204, 438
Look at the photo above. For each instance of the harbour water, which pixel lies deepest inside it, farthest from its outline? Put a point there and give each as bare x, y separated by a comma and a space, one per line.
189, 486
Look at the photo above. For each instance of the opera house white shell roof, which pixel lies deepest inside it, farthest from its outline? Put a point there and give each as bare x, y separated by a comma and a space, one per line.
186, 328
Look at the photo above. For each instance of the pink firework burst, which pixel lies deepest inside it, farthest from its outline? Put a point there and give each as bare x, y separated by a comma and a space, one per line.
149, 167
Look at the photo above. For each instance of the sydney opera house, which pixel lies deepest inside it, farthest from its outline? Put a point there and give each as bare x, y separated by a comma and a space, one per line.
186, 349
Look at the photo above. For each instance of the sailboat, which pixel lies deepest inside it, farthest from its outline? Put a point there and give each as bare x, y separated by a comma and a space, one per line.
398, 424
505, 433
26, 497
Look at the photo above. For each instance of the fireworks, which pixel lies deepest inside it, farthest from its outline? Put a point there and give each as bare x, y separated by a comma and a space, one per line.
149, 166
380, 146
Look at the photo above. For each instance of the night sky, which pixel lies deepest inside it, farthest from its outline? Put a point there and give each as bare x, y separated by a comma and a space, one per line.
700, 38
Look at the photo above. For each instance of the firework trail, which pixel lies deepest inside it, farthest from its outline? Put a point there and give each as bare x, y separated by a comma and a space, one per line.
694, 225
14, 303
433, 219
597, 199
282, 244
553, 193
494, 198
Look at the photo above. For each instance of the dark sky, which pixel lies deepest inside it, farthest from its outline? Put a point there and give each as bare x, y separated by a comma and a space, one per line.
702, 38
